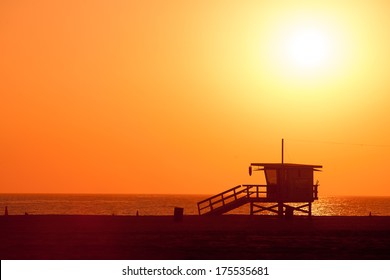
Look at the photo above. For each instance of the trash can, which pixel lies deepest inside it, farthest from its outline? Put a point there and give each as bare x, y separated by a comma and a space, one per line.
178, 214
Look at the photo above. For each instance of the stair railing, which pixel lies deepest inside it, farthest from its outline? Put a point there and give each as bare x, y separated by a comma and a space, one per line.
229, 196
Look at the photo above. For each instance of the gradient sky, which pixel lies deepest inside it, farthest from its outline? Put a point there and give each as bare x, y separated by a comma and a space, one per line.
181, 96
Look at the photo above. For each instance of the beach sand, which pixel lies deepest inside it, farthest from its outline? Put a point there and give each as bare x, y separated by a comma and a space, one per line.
195, 237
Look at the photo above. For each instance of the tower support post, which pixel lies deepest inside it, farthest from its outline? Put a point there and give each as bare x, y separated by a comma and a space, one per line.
280, 209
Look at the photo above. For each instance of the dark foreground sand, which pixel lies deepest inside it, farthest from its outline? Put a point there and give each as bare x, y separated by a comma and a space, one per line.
196, 237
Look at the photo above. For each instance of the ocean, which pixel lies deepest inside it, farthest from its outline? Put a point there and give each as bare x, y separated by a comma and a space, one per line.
130, 204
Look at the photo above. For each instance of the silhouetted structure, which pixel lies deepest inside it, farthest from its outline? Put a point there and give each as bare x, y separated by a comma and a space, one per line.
285, 183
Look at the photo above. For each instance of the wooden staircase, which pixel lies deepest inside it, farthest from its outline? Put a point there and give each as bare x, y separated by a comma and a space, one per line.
232, 198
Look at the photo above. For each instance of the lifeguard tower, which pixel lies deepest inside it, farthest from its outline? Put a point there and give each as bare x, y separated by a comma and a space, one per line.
289, 187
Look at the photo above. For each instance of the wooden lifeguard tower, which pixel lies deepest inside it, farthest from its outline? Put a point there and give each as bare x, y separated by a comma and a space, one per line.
289, 187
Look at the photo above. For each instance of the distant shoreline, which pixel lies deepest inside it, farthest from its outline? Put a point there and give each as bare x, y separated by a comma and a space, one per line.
195, 237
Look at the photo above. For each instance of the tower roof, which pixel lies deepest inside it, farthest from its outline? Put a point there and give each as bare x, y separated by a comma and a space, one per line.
286, 165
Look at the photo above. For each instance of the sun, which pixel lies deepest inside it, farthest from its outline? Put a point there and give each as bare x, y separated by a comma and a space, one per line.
308, 48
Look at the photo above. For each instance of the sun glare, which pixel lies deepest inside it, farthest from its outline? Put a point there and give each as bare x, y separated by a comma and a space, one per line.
308, 48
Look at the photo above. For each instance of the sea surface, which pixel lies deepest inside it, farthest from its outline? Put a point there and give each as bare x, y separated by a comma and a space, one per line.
130, 204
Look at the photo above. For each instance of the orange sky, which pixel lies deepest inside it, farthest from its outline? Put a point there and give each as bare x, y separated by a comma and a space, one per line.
181, 96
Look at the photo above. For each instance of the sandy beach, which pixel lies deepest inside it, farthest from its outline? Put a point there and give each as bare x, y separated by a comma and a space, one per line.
195, 237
